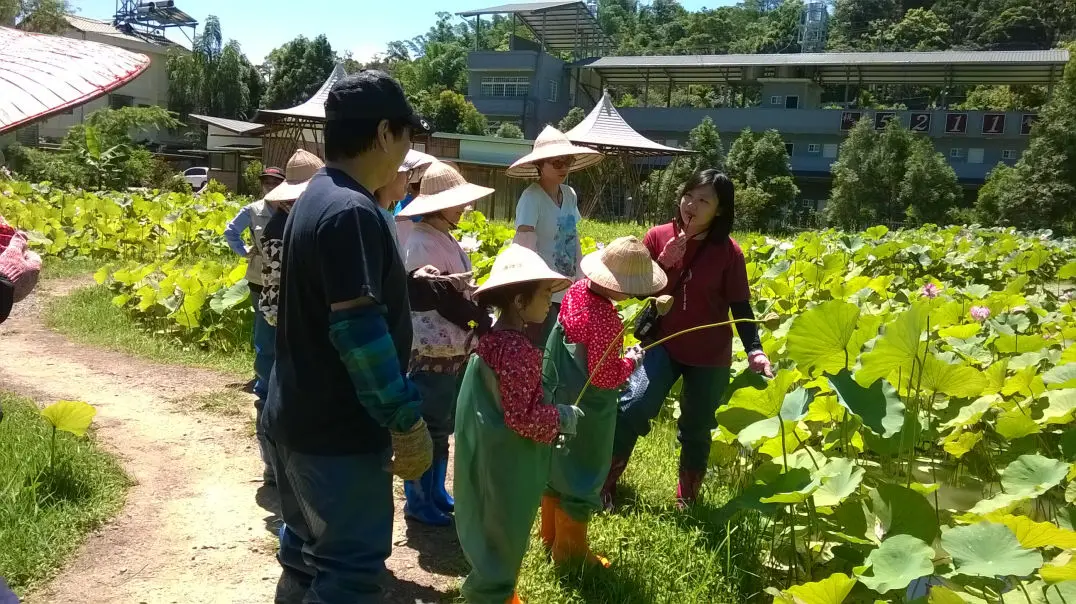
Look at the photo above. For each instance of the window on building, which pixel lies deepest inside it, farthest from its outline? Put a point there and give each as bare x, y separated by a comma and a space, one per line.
776, 100
975, 156
957, 153
119, 101
829, 151
789, 148
554, 91
792, 102
814, 148
1009, 154
506, 86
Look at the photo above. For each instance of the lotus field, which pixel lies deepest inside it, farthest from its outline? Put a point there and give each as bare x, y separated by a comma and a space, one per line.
917, 440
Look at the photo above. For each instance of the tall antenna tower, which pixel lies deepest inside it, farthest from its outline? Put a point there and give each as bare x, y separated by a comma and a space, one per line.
152, 18
814, 26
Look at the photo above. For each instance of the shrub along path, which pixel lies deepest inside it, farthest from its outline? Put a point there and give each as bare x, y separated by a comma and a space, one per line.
194, 528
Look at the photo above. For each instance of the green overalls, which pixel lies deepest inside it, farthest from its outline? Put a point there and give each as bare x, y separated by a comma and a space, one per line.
499, 477
576, 475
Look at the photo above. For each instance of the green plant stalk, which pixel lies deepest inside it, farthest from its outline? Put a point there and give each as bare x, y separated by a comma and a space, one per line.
612, 345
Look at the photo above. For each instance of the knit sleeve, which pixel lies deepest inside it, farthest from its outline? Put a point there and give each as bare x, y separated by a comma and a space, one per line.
518, 366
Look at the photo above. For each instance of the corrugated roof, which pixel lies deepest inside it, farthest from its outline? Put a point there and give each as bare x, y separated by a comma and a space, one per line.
236, 126
98, 26
518, 7
605, 130
41, 75
943, 67
312, 109
561, 25
945, 57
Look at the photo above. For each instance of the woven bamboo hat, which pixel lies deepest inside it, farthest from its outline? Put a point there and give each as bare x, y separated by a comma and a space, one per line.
517, 264
416, 163
625, 266
443, 188
301, 168
549, 144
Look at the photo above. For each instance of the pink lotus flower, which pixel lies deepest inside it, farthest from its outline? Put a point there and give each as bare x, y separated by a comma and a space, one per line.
930, 291
980, 313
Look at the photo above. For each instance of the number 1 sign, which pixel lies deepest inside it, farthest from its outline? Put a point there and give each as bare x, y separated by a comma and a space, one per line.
994, 123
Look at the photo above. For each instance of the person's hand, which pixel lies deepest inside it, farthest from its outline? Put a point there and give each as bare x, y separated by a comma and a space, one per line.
428, 272
20, 266
569, 418
673, 252
663, 304
412, 452
463, 282
635, 353
760, 363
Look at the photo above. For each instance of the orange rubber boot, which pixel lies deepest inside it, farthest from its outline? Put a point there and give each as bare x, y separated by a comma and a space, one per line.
570, 544
548, 533
514, 599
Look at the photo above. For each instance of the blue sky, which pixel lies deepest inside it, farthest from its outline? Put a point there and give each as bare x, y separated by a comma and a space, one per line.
364, 26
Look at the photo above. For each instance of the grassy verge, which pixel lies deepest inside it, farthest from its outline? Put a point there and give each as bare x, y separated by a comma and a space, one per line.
45, 513
659, 554
55, 268
88, 316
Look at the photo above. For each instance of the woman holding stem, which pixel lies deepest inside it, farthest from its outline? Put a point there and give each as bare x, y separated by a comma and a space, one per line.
707, 279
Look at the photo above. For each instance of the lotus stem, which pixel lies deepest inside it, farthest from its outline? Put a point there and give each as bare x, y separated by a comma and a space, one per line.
608, 349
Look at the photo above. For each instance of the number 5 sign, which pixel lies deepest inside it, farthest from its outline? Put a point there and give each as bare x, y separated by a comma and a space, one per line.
994, 123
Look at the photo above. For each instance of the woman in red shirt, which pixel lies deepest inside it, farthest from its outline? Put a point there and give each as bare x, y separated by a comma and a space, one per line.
707, 279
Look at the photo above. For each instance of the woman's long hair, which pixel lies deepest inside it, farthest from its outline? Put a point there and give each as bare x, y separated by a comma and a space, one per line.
721, 226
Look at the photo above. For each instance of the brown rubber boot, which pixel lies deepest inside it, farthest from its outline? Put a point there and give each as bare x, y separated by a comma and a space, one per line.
549, 520
570, 544
687, 490
608, 493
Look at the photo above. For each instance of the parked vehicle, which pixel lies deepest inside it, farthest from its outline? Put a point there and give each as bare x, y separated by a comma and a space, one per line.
197, 177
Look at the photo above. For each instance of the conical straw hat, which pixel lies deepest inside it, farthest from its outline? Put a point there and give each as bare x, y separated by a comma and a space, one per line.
625, 266
517, 264
443, 188
301, 168
549, 144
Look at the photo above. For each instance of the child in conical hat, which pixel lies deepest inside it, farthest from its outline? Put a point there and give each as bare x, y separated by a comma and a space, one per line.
505, 428
587, 341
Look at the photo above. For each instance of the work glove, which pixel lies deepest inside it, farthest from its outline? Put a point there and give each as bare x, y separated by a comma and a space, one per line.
673, 253
412, 452
19, 266
569, 418
462, 282
760, 363
635, 353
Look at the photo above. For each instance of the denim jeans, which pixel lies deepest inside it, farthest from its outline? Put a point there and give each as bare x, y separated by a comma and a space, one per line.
337, 530
439, 392
264, 346
642, 401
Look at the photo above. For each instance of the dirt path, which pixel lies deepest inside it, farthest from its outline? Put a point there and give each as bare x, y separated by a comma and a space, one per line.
196, 525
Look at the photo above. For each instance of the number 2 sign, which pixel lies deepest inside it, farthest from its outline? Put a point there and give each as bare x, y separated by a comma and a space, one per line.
920, 122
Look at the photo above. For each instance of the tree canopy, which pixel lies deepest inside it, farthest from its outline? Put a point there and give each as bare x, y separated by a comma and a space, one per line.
213, 78
296, 70
41, 16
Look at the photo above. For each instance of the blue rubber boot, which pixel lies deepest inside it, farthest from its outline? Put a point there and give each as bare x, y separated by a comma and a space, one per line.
441, 497
420, 506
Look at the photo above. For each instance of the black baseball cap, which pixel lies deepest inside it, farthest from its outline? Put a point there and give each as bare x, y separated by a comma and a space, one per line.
371, 94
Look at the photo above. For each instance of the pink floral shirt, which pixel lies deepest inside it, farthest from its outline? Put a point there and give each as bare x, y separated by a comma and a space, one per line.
518, 365
592, 320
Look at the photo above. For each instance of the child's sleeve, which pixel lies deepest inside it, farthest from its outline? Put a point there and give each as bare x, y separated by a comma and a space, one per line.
520, 377
605, 332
